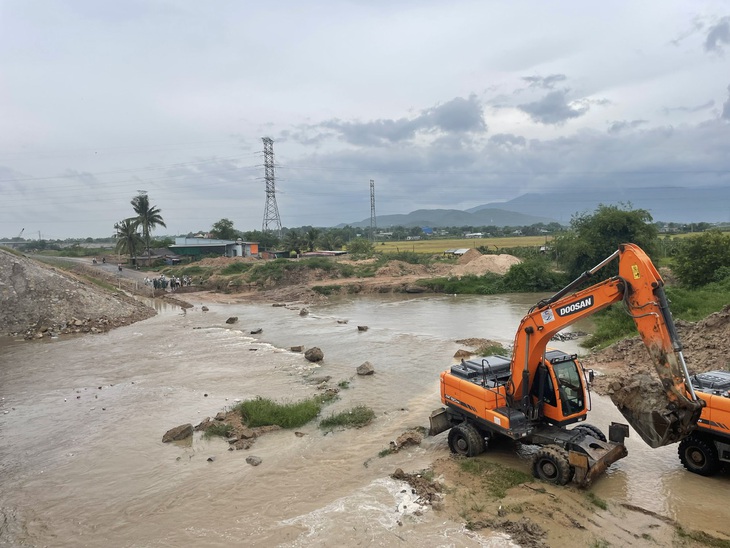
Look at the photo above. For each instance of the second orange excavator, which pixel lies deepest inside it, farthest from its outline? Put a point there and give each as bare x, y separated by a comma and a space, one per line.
534, 395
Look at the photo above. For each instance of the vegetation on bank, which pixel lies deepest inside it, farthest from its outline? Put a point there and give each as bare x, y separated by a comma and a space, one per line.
495, 478
686, 304
532, 275
266, 412
356, 417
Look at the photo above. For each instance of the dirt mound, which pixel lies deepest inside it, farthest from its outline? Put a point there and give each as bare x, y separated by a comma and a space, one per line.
39, 300
469, 256
499, 264
400, 268
224, 261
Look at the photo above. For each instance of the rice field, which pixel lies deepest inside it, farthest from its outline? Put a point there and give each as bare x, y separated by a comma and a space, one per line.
432, 246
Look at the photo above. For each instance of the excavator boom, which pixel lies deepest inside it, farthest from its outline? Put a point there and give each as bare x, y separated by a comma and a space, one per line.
661, 412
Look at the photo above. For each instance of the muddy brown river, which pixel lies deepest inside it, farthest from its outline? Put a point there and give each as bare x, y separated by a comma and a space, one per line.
81, 422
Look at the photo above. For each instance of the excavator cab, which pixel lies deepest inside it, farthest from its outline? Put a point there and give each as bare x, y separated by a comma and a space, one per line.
558, 390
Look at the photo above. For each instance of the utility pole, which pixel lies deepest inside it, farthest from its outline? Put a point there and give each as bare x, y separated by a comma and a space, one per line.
272, 221
373, 222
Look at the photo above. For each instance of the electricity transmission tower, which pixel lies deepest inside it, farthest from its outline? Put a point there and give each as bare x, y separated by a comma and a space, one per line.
272, 221
373, 222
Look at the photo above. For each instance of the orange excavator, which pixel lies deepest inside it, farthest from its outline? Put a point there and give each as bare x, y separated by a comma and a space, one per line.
534, 395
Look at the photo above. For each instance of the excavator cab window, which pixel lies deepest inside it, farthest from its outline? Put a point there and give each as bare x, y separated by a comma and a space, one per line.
570, 387
542, 387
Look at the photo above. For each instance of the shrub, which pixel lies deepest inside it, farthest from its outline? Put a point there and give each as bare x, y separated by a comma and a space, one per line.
699, 260
265, 412
354, 418
533, 275
224, 430
236, 268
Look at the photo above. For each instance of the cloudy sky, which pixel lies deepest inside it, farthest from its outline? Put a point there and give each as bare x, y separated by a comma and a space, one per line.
443, 104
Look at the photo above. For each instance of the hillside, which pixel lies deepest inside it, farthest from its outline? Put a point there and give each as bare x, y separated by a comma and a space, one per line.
454, 217
668, 204
37, 301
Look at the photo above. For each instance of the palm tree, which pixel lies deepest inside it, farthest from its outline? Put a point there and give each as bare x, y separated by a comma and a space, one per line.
311, 236
128, 239
294, 241
148, 217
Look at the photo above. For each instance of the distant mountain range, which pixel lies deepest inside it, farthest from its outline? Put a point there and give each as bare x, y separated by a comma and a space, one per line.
455, 217
668, 204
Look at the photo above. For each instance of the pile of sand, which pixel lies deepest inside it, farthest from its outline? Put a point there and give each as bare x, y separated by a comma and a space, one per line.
499, 264
469, 256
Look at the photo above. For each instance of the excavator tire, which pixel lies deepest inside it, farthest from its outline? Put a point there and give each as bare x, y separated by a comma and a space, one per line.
551, 465
591, 431
699, 455
465, 440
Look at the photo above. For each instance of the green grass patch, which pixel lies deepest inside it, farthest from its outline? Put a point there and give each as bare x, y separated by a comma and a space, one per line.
326, 289
488, 284
387, 451
595, 500
496, 478
12, 250
98, 282
344, 385
266, 412
691, 305
356, 417
223, 430
491, 350
702, 537
236, 268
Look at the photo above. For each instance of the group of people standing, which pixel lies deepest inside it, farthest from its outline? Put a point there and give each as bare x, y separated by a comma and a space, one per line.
162, 282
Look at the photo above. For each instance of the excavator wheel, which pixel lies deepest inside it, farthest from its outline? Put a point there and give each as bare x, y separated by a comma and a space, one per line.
465, 440
551, 465
698, 456
591, 431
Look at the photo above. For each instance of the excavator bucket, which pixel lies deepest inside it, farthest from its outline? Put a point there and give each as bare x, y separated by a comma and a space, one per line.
658, 419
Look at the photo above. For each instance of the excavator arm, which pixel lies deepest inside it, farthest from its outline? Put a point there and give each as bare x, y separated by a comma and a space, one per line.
670, 410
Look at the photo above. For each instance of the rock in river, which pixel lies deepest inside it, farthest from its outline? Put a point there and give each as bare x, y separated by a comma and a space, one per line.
178, 433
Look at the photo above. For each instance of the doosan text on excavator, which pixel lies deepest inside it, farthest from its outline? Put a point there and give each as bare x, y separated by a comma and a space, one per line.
537, 393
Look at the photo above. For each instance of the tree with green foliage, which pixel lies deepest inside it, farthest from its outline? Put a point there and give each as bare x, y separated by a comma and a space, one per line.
224, 230
360, 246
294, 241
330, 241
312, 235
533, 275
129, 240
266, 240
593, 237
148, 217
699, 260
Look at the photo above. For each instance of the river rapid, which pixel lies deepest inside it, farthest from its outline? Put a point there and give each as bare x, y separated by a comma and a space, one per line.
81, 422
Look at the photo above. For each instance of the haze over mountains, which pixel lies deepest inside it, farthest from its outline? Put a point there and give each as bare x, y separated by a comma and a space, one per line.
667, 204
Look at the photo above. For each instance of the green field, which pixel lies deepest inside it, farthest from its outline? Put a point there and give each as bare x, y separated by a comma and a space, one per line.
432, 246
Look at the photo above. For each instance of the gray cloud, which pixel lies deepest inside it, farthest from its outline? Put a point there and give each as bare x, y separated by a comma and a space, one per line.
554, 108
458, 116
624, 125
718, 34
508, 140
704, 106
547, 82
